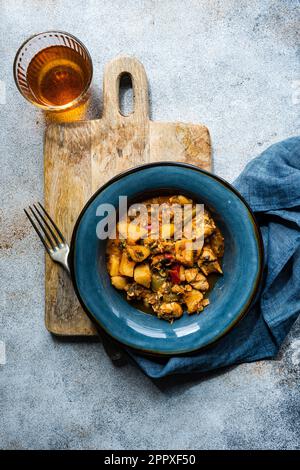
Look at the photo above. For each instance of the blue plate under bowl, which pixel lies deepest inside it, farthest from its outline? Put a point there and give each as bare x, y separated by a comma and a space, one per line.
232, 294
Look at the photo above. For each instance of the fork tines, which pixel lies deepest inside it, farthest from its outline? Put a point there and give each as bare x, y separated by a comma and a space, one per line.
53, 238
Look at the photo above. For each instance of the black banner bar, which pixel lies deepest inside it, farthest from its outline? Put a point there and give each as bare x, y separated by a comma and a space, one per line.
149, 458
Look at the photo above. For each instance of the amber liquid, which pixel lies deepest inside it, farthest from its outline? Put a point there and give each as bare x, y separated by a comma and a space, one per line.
58, 75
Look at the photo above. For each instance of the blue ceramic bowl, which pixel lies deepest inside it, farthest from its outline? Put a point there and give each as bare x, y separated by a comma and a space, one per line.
232, 294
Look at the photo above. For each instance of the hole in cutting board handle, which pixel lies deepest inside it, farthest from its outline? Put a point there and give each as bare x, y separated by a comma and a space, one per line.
126, 96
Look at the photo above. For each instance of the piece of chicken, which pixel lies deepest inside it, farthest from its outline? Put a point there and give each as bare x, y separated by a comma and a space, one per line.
211, 267
191, 274
200, 283
217, 243
169, 311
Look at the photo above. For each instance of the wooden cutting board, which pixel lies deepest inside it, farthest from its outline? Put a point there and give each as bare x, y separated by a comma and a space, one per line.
80, 157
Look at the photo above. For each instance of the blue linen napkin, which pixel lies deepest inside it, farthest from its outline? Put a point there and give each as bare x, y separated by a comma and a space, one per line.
271, 185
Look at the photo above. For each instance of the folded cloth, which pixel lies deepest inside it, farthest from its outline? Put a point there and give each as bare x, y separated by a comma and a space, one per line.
271, 185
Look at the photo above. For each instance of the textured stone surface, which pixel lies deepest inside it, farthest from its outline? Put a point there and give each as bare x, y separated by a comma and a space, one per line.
230, 64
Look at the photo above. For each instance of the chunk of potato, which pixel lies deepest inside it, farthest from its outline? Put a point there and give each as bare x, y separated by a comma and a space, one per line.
167, 231
180, 199
113, 264
142, 275
126, 266
122, 227
135, 232
119, 282
193, 300
131, 231
183, 252
138, 252
184, 200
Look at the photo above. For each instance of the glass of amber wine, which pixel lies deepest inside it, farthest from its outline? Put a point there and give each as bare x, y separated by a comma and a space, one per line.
53, 70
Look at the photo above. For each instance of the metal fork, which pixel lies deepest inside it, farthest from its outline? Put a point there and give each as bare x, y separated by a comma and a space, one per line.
53, 240
58, 249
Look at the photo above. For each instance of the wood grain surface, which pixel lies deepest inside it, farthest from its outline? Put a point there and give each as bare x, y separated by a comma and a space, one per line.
80, 157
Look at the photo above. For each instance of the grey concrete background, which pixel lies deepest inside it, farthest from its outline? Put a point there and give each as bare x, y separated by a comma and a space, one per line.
230, 64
